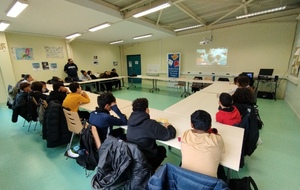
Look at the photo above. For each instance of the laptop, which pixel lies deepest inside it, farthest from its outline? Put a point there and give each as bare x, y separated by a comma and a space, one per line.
265, 73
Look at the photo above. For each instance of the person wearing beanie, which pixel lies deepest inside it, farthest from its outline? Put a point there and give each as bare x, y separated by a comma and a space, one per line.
227, 114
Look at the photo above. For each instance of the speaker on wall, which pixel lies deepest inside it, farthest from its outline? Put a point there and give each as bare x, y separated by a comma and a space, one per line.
276, 78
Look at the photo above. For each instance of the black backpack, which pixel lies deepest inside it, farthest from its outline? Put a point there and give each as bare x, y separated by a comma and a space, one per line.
246, 183
89, 159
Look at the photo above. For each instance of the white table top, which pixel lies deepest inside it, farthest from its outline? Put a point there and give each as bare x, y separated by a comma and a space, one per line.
199, 100
232, 136
220, 86
93, 102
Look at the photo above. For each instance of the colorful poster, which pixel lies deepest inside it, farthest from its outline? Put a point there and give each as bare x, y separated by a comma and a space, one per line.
36, 66
174, 65
23, 53
53, 66
295, 68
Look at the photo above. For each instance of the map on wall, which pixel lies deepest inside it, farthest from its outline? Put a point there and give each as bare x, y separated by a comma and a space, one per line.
54, 52
296, 63
22, 53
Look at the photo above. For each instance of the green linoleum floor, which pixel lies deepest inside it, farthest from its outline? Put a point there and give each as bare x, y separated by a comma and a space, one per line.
26, 162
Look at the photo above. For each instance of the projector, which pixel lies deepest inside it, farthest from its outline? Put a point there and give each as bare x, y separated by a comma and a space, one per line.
204, 41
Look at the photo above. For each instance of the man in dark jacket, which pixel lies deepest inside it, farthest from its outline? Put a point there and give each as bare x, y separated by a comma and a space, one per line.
71, 70
144, 132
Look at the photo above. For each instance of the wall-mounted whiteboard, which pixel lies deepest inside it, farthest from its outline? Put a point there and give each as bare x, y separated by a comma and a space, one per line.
153, 68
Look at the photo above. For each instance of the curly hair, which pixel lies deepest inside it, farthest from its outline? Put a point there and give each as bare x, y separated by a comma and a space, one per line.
243, 96
140, 104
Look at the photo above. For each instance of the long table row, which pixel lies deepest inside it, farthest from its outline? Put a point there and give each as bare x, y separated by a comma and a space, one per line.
179, 116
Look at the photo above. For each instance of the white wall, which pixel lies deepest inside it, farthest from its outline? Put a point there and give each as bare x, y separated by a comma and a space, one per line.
292, 95
250, 47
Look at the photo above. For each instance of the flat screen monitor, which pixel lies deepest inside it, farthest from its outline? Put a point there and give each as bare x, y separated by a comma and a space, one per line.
249, 74
265, 72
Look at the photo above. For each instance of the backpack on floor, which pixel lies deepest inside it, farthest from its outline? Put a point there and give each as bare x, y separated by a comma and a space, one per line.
246, 183
89, 158
260, 123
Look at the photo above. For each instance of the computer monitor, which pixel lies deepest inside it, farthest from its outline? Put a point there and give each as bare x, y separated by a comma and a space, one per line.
265, 72
249, 74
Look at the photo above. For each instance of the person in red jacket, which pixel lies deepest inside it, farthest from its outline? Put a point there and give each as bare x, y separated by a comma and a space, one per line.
227, 114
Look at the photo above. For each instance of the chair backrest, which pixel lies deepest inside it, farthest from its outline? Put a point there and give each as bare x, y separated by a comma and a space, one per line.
73, 121
223, 79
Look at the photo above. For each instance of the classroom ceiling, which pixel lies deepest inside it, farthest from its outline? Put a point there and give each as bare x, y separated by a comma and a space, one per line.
59, 18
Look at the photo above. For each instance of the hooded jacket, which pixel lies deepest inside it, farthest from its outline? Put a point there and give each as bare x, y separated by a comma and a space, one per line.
229, 116
144, 132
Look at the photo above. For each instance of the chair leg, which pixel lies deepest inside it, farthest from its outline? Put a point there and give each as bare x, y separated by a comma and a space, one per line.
70, 143
35, 125
29, 126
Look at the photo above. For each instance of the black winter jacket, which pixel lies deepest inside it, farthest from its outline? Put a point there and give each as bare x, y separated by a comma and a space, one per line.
144, 132
121, 166
55, 129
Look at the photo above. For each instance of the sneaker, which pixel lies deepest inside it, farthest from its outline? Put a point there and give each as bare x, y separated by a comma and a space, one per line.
71, 154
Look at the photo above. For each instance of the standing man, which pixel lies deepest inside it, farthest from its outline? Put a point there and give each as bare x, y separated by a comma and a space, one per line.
71, 69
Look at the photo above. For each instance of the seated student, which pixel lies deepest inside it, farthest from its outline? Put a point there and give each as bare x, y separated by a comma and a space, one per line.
37, 91
108, 84
116, 82
75, 98
27, 78
59, 92
45, 90
91, 75
144, 132
84, 76
20, 103
244, 82
242, 99
104, 121
227, 114
201, 147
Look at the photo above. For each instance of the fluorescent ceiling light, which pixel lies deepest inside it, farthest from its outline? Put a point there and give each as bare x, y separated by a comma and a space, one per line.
261, 12
73, 36
187, 28
101, 26
152, 10
116, 42
17, 8
144, 36
3, 25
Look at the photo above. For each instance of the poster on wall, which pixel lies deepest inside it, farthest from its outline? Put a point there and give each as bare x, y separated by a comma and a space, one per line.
96, 60
54, 52
174, 65
45, 65
22, 53
53, 66
295, 68
2, 47
115, 63
36, 66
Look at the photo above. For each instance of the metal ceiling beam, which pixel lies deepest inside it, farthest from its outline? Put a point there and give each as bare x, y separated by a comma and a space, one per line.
239, 7
190, 13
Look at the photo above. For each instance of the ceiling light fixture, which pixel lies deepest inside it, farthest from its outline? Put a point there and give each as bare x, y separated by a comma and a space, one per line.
152, 10
188, 28
17, 8
144, 36
261, 12
73, 36
101, 26
116, 42
3, 25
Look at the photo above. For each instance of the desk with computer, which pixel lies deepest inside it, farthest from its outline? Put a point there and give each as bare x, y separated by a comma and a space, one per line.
265, 77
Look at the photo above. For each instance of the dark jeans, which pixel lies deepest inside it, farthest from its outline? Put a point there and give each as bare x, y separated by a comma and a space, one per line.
159, 158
